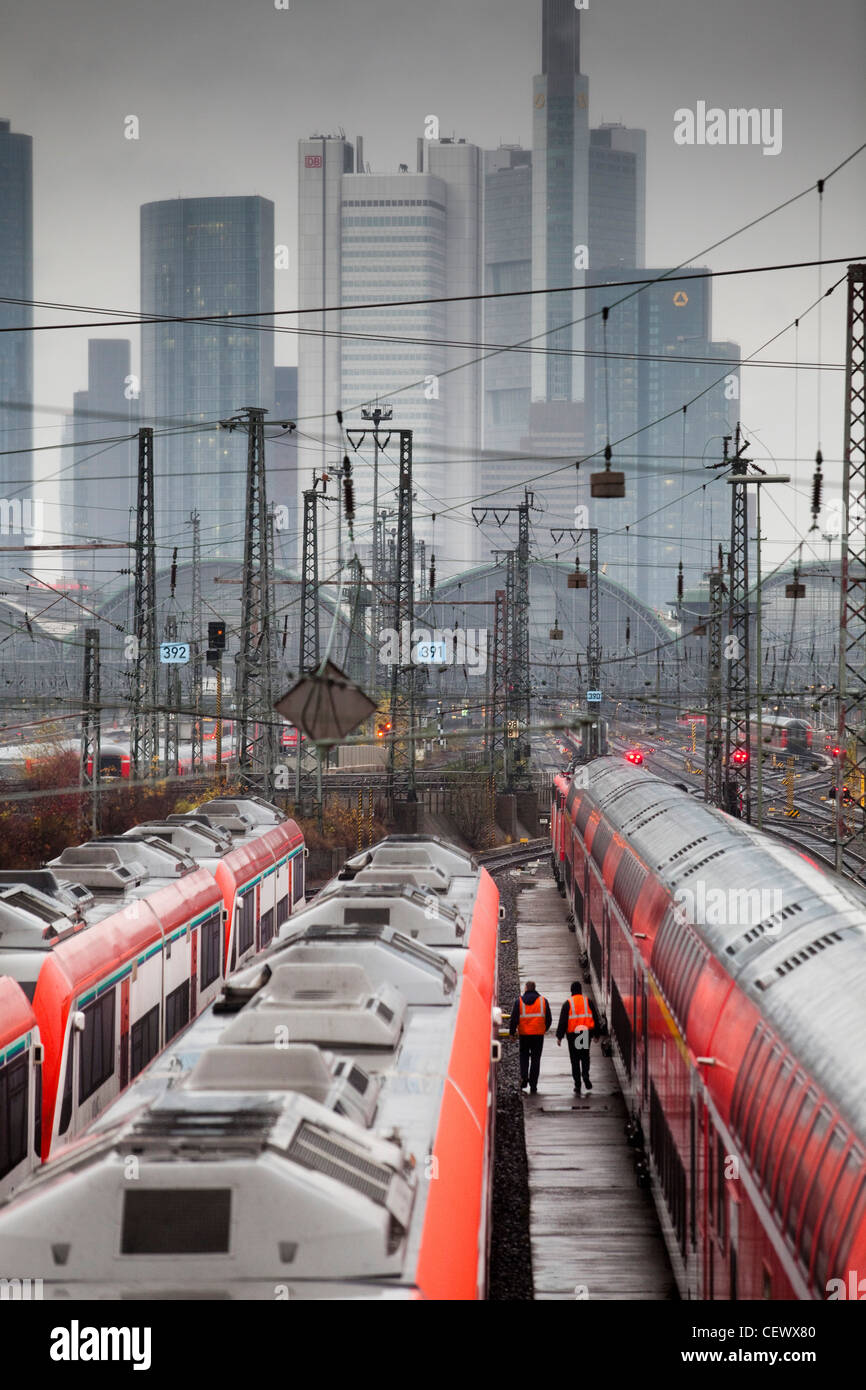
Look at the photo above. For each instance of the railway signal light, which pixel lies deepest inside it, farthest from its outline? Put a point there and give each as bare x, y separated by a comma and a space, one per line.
383, 727
216, 635
634, 755
740, 756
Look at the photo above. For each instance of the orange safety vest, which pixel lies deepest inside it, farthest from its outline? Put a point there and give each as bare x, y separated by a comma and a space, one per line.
532, 1017
579, 1015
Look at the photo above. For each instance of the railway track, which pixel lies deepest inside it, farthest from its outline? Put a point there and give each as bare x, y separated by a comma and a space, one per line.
507, 856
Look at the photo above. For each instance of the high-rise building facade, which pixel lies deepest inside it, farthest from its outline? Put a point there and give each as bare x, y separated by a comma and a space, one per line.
661, 358
366, 238
16, 284
617, 197
507, 271
98, 490
201, 257
560, 202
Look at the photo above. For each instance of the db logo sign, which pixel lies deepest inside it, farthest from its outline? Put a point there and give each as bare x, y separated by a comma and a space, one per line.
312, 161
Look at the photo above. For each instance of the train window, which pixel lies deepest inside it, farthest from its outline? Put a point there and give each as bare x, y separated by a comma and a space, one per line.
600, 841
267, 926
14, 1088
96, 1049
210, 949
794, 1145
283, 910
627, 883
144, 1040
790, 1105
37, 1112
298, 868
176, 1221
770, 1118
758, 1099
720, 1189
176, 1010
828, 1233
822, 1181
805, 1170
757, 1044
66, 1103
246, 928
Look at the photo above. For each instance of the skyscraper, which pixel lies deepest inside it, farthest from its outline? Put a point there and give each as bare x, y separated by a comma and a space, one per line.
98, 486
16, 283
507, 268
560, 201
283, 466
365, 238
617, 196
661, 357
205, 256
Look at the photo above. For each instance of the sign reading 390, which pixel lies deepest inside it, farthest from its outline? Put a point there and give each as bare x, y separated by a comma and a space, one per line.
174, 653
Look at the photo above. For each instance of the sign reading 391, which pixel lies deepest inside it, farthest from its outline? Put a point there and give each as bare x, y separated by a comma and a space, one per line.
174, 653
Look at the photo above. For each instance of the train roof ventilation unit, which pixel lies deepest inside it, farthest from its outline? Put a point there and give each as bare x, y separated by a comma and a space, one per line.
330, 1005
770, 924
814, 948
100, 868
297, 1067
313, 1147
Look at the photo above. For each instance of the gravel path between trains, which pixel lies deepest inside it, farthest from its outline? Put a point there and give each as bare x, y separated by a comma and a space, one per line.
510, 1251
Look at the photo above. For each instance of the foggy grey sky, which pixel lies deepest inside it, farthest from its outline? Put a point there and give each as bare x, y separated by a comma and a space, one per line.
224, 90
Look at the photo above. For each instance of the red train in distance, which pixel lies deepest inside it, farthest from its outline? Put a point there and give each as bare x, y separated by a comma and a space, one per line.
116, 945
731, 973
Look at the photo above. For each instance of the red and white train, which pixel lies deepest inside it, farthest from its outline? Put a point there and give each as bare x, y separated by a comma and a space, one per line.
732, 972
108, 952
324, 1130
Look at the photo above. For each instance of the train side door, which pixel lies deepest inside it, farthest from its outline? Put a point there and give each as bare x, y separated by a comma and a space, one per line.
124, 1033
193, 971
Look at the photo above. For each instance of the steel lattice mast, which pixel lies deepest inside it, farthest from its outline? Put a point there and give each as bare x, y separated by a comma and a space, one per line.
172, 703
91, 725
852, 616
309, 658
356, 646
401, 753
256, 745
144, 742
713, 735
197, 672
738, 729
517, 600
498, 708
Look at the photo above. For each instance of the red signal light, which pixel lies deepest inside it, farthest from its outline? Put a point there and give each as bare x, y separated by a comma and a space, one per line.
634, 755
836, 752
740, 756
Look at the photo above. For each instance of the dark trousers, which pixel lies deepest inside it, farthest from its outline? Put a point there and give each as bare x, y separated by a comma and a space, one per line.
530, 1057
578, 1051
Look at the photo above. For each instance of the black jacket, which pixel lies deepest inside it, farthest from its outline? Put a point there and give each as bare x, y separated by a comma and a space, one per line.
562, 1025
529, 997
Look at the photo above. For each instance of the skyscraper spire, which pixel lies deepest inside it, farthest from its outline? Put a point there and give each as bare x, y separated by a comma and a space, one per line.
560, 37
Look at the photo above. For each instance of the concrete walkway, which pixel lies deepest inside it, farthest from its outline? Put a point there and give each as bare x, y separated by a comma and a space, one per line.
594, 1232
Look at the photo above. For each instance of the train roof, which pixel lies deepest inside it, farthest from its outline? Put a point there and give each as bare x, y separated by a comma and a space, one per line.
801, 959
313, 1092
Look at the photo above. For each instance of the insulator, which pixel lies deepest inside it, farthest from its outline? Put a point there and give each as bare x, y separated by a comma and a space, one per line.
173, 579
349, 498
347, 467
432, 573
680, 581
627, 633
339, 417
608, 454
817, 487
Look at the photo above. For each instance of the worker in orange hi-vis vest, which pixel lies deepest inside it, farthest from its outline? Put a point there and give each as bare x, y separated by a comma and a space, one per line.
577, 1023
530, 1020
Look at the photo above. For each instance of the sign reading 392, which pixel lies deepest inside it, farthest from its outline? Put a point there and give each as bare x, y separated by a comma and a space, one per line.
174, 653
